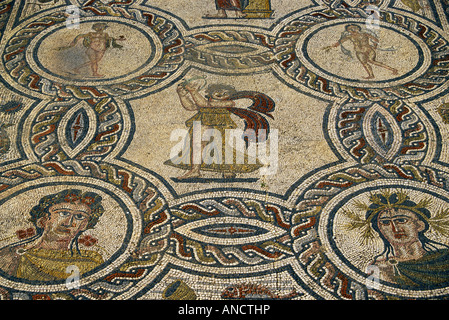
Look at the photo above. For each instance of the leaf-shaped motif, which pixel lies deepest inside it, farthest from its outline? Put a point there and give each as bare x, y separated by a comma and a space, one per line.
228, 231
77, 129
382, 132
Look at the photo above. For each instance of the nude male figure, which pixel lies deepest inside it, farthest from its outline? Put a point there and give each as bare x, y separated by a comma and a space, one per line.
365, 50
96, 44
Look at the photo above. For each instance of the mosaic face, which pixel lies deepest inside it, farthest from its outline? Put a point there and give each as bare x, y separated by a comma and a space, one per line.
400, 227
65, 221
224, 150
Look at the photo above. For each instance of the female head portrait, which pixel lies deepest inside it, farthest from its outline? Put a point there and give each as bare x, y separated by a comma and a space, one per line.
409, 257
59, 220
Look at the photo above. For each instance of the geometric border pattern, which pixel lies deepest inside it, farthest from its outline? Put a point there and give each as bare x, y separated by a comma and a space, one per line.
224, 233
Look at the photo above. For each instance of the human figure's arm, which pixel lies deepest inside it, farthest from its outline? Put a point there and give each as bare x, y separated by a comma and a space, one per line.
375, 40
114, 43
73, 43
198, 99
338, 43
184, 97
78, 38
202, 102
221, 104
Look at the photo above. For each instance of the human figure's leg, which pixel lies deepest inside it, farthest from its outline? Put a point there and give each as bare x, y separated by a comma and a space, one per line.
221, 13
195, 168
372, 60
380, 64
227, 5
363, 58
240, 14
94, 58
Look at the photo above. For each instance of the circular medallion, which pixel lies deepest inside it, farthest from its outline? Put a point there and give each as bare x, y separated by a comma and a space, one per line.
380, 230
77, 226
391, 239
104, 55
339, 54
349, 53
71, 228
98, 52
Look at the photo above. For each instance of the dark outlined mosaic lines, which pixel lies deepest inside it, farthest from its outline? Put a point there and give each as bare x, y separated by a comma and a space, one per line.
228, 149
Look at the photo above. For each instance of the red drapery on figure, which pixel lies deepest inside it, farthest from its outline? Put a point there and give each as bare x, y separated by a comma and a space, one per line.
231, 4
254, 115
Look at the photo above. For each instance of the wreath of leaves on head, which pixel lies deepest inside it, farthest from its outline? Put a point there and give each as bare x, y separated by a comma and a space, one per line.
386, 200
92, 200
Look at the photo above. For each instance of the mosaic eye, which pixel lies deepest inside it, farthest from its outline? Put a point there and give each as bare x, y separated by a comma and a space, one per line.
64, 214
230, 231
76, 128
79, 216
381, 129
401, 220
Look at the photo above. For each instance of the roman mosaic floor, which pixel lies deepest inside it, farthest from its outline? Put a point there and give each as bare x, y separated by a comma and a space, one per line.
224, 149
